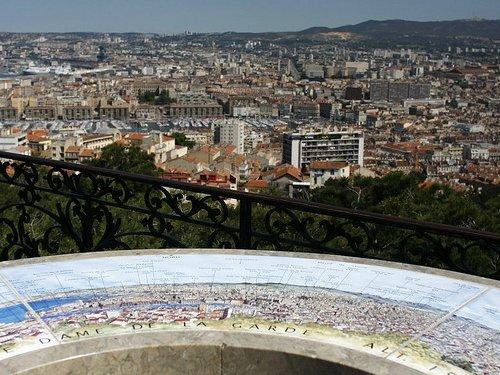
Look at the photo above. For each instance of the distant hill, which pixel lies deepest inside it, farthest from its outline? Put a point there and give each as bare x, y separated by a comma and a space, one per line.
315, 30
442, 29
391, 30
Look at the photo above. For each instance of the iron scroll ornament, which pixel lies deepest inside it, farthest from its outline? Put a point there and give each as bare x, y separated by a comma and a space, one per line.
86, 202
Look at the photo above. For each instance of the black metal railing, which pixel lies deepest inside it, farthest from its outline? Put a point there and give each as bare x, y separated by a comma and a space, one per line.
52, 207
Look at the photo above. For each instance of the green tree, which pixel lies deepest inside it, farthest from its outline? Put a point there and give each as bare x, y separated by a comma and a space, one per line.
146, 97
163, 98
180, 139
155, 97
128, 159
404, 195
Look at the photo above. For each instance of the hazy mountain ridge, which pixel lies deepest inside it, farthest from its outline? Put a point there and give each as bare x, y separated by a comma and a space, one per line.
445, 29
388, 29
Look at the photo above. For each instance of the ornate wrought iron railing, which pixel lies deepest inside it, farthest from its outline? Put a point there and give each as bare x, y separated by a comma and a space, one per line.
53, 207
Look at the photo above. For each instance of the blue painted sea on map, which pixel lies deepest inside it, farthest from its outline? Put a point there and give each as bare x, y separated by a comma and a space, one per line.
12, 314
45, 304
17, 313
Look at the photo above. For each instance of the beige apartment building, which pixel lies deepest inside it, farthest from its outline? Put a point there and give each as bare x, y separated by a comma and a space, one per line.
200, 137
114, 112
147, 112
195, 108
97, 141
141, 86
40, 113
9, 114
78, 113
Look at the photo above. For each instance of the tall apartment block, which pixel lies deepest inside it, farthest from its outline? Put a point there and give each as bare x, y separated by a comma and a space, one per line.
379, 90
419, 91
233, 133
300, 149
398, 90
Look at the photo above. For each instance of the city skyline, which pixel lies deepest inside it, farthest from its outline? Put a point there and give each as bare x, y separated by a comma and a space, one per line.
167, 17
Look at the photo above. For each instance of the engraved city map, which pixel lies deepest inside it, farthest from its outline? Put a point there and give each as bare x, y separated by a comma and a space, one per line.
432, 323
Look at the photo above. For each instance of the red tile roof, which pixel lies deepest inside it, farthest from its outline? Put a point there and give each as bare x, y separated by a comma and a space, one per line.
257, 184
287, 170
87, 152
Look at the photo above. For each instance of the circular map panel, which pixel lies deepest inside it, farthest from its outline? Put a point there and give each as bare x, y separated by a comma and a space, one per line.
432, 321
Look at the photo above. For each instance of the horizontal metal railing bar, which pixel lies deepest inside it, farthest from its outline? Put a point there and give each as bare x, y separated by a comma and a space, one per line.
315, 247
300, 205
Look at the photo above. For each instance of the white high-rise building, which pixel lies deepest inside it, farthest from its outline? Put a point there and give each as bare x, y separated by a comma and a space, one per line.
9, 141
233, 133
300, 149
147, 71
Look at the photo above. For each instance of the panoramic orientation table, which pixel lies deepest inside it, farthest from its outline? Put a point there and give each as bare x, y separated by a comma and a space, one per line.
238, 311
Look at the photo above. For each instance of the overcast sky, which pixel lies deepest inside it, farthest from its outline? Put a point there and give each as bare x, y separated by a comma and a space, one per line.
169, 16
